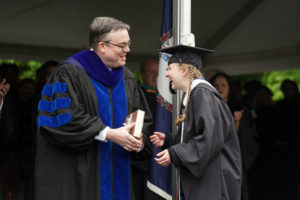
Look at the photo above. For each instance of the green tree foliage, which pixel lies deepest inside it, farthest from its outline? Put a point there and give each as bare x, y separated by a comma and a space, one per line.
27, 68
272, 80
138, 76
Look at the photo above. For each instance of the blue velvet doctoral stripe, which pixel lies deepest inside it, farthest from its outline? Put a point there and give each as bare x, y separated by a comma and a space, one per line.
58, 87
104, 111
121, 156
54, 122
103, 78
108, 150
96, 69
121, 173
51, 106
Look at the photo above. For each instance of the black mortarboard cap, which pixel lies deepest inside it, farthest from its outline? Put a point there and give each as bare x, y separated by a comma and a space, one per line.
186, 54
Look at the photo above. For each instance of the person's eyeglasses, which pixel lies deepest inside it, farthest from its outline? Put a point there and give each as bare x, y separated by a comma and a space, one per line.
119, 45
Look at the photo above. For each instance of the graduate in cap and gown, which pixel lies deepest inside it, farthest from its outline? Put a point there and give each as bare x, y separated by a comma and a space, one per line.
206, 149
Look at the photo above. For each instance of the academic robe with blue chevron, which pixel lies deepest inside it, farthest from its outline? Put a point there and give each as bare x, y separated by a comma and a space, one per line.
70, 163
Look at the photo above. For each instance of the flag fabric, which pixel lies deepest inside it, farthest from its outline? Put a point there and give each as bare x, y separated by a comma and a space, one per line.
160, 178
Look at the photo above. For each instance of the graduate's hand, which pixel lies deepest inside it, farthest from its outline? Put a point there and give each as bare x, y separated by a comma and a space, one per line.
163, 158
4, 88
158, 139
122, 137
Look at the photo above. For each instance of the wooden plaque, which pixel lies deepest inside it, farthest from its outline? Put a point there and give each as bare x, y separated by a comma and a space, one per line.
136, 117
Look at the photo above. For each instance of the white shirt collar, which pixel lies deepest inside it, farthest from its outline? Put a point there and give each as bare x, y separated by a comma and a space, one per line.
194, 84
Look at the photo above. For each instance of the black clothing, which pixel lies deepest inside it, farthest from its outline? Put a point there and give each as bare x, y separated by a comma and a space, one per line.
67, 159
209, 158
140, 168
186, 54
249, 147
6, 127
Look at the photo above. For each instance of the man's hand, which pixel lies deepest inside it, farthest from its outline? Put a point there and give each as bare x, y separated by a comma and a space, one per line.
141, 141
4, 88
158, 139
122, 137
164, 159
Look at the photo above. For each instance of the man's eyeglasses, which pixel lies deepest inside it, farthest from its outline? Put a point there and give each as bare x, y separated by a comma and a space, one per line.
119, 45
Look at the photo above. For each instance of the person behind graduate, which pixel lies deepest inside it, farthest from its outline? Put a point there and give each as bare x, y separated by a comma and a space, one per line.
149, 72
244, 123
83, 148
43, 75
206, 149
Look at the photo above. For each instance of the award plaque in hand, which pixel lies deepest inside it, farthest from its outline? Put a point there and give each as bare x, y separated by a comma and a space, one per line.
137, 117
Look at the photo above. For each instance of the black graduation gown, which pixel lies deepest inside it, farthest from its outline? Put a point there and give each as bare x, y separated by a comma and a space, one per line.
209, 159
67, 157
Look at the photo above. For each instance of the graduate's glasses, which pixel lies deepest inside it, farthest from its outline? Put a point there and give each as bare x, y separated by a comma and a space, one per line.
119, 45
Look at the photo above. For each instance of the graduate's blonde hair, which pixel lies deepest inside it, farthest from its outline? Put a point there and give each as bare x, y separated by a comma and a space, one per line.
194, 73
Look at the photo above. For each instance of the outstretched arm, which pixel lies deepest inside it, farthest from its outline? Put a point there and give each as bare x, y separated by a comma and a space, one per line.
158, 139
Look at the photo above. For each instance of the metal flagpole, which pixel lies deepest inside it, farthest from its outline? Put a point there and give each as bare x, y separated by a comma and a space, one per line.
181, 35
176, 39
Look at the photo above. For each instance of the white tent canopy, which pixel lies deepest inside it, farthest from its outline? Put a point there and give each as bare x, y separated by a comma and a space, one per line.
248, 35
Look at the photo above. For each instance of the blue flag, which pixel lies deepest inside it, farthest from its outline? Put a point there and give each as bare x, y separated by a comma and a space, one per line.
160, 178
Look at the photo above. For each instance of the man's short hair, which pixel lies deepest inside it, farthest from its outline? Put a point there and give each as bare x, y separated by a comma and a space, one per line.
101, 26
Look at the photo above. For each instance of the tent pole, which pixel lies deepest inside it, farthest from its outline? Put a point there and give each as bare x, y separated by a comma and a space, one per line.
181, 35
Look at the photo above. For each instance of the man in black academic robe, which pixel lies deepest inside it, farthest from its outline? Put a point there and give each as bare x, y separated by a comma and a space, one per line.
88, 94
